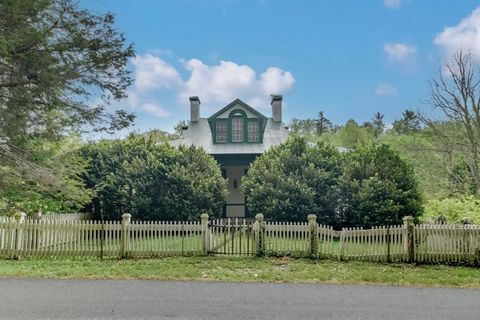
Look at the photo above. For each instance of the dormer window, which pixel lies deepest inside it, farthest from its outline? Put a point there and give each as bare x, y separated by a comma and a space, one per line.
237, 123
237, 128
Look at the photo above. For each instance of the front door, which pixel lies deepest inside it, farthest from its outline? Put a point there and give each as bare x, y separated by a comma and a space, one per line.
235, 202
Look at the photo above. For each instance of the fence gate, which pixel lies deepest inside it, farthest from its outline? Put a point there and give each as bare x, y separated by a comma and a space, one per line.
232, 236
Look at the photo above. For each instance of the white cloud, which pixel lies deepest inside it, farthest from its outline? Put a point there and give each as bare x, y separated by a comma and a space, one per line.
399, 51
385, 89
214, 84
465, 35
140, 104
392, 4
227, 80
151, 72
155, 109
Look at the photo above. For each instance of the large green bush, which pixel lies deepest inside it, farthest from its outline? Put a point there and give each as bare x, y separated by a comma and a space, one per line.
377, 187
365, 187
455, 210
152, 181
293, 180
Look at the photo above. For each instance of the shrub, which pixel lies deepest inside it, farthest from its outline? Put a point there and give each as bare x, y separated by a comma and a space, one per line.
152, 181
453, 209
377, 188
293, 180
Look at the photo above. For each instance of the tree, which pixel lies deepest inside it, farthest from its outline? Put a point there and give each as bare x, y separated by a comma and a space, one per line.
410, 123
351, 134
55, 58
60, 66
322, 124
152, 181
456, 94
179, 126
292, 180
419, 149
64, 192
378, 125
377, 187
304, 127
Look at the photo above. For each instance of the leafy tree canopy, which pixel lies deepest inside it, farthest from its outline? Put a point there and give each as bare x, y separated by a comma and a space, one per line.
60, 66
377, 187
54, 58
292, 180
152, 181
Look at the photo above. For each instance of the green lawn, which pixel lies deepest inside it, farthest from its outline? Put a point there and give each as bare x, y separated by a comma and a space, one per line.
244, 269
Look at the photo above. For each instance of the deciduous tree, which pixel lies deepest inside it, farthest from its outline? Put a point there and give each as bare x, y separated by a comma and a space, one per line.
455, 92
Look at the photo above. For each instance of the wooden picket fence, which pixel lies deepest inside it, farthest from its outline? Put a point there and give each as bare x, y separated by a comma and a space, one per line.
65, 216
327, 239
231, 236
384, 244
423, 243
287, 238
33, 238
447, 243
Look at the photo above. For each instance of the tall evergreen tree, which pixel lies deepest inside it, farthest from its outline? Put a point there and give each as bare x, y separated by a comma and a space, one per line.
377, 123
55, 60
410, 123
323, 124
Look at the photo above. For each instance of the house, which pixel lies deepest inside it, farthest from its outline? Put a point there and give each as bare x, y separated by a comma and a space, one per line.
235, 135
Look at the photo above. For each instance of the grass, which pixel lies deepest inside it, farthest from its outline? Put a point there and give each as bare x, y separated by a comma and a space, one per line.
245, 269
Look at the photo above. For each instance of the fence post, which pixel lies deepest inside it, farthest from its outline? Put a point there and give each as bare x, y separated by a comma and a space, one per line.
341, 246
19, 219
205, 237
313, 229
408, 241
259, 233
126, 219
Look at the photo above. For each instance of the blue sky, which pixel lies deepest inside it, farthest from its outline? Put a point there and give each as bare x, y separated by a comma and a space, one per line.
347, 58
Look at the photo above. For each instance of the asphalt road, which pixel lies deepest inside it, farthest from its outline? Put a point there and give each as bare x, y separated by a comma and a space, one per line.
131, 299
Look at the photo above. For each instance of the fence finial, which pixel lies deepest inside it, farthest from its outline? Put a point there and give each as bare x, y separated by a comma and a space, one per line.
126, 218
312, 218
407, 219
259, 217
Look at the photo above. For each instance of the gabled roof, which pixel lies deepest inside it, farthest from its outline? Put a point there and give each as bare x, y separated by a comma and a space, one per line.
199, 134
233, 103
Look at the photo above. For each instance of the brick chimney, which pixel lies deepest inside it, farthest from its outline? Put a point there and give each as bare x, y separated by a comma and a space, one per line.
194, 109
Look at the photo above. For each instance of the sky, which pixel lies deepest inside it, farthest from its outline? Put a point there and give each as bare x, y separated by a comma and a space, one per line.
349, 59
